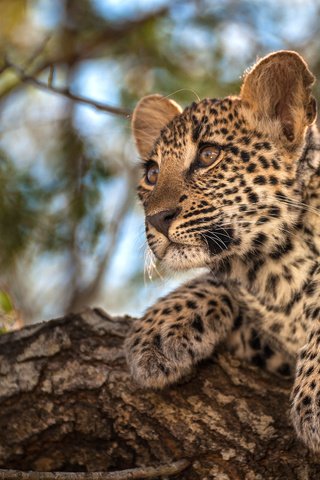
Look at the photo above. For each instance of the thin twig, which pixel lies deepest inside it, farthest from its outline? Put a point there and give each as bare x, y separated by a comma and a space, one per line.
123, 112
131, 474
37, 52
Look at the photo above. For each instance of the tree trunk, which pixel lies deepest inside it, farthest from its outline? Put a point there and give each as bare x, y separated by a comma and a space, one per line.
68, 404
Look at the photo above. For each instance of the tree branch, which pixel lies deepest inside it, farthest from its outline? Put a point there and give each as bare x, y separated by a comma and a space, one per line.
133, 473
65, 92
68, 404
90, 47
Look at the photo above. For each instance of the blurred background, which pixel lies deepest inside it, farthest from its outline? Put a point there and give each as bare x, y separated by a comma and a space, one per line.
71, 230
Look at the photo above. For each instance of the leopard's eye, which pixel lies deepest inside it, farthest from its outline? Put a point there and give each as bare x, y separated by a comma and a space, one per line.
208, 155
152, 173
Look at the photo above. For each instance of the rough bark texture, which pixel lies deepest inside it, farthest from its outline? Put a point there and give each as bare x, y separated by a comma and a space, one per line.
67, 403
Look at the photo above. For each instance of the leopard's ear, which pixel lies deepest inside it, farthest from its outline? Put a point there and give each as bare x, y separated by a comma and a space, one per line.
152, 113
276, 93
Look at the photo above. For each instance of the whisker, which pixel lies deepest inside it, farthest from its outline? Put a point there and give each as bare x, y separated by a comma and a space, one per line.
253, 222
185, 90
205, 239
295, 203
146, 266
210, 232
214, 237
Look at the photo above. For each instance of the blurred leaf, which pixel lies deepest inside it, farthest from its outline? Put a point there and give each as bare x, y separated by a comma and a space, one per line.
12, 16
6, 304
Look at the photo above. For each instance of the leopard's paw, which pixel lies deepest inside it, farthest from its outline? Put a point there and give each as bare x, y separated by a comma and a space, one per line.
305, 413
151, 368
161, 353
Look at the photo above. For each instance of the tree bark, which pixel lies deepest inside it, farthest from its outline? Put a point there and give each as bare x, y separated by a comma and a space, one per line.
68, 404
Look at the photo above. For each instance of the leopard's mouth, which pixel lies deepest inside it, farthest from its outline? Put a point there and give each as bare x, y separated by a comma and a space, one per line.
206, 246
180, 247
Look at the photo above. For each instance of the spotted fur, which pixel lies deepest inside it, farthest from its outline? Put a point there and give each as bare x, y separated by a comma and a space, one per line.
252, 220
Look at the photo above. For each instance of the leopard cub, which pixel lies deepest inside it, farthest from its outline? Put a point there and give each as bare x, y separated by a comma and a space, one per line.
233, 185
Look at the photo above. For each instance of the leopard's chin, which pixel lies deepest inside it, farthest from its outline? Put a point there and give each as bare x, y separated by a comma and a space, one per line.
181, 257
184, 257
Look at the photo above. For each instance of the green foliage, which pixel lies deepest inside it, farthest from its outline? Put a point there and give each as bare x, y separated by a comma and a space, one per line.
7, 312
6, 305
18, 210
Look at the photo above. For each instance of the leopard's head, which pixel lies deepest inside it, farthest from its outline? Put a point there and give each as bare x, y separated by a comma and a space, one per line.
221, 177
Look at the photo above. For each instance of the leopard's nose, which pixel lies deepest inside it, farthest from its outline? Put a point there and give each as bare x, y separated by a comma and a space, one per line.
161, 221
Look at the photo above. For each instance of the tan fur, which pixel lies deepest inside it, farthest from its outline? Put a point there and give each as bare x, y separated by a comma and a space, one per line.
277, 92
252, 220
152, 113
